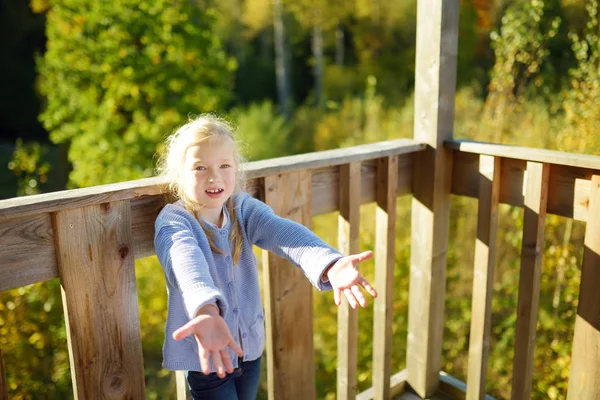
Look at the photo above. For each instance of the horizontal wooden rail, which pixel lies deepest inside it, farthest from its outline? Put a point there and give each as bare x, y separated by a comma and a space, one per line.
50, 202
27, 239
526, 153
568, 186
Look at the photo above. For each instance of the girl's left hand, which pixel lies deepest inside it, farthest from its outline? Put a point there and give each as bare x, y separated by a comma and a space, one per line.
345, 277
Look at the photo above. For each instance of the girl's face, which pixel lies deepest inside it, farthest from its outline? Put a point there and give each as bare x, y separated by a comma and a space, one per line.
210, 176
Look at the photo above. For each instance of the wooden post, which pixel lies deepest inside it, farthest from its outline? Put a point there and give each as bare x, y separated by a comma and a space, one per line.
3, 386
288, 298
536, 199
483, 277
435, 86
387, 183
183, 391
96, 268
348, 243
584, 378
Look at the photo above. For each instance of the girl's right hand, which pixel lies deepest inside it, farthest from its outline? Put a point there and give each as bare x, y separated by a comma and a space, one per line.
213, 338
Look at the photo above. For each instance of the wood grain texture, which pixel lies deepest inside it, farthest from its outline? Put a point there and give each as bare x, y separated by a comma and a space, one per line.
483, 276
536, 197
526, 154
26, 251
183, 391
435, 88
584, 378
3, 385
96, 268
397, 387
385, 252
288, 298
569, 187
348, 243
68, 199
34, 231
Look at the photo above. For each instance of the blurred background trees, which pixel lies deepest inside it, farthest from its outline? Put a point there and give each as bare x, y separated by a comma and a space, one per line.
89, 90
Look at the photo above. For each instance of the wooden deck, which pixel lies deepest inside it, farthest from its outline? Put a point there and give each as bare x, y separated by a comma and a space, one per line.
89, 238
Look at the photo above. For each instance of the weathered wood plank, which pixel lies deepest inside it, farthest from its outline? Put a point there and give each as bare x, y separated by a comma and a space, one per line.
455, 388
3, 385
536, 197
51, 202
584, 378
385, 239
26, 251
96, 268
435, 87
348, 243
331, 158
527, 153
483, 277
38, 263
397, 387
569, 187
76, 198
144, 211
183, 392
288, 297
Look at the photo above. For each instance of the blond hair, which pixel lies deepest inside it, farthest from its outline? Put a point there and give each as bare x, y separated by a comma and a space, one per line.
170, 165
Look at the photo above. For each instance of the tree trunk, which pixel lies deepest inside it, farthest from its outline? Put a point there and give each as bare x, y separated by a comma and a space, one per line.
317, 49
281, 66
339, 45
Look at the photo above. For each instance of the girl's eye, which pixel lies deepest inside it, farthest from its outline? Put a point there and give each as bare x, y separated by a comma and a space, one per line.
200, 168
225, 166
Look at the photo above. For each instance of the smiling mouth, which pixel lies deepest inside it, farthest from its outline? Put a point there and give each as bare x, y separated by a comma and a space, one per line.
214, 191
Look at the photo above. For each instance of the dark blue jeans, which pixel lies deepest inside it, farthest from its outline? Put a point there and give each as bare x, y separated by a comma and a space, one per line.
241, 384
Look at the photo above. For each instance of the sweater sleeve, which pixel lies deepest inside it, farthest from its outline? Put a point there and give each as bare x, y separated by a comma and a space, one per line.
288, 239
184, 263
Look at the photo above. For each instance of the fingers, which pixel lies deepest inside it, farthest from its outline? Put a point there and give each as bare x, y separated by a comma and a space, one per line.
226, 361
351, 299
359, 296
204, 364
218, 363
336, 297
368, 287
365, 255
236, 348
184, 331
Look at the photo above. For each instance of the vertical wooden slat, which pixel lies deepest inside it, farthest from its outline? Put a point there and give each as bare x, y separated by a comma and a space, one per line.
348, 243
435, 87
483, 276
288, 298
3, 386
535, 201
387, 181
96, 268
584, 378
183, 391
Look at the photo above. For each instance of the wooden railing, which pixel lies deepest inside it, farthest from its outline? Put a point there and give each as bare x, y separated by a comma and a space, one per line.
543, 182
89, 238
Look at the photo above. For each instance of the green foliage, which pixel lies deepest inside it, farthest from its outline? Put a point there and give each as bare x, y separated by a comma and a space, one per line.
33, 342
120, 76
264, 132
362, 120
520, 48
581, 100
29, 167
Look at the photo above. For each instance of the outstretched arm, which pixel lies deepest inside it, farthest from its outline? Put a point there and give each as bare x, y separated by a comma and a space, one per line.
213, 338
345, 278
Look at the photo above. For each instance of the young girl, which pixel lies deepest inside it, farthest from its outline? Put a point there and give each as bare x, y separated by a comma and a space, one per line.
204, 244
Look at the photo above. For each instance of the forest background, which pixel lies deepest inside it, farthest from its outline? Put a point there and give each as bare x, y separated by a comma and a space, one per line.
89, 89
